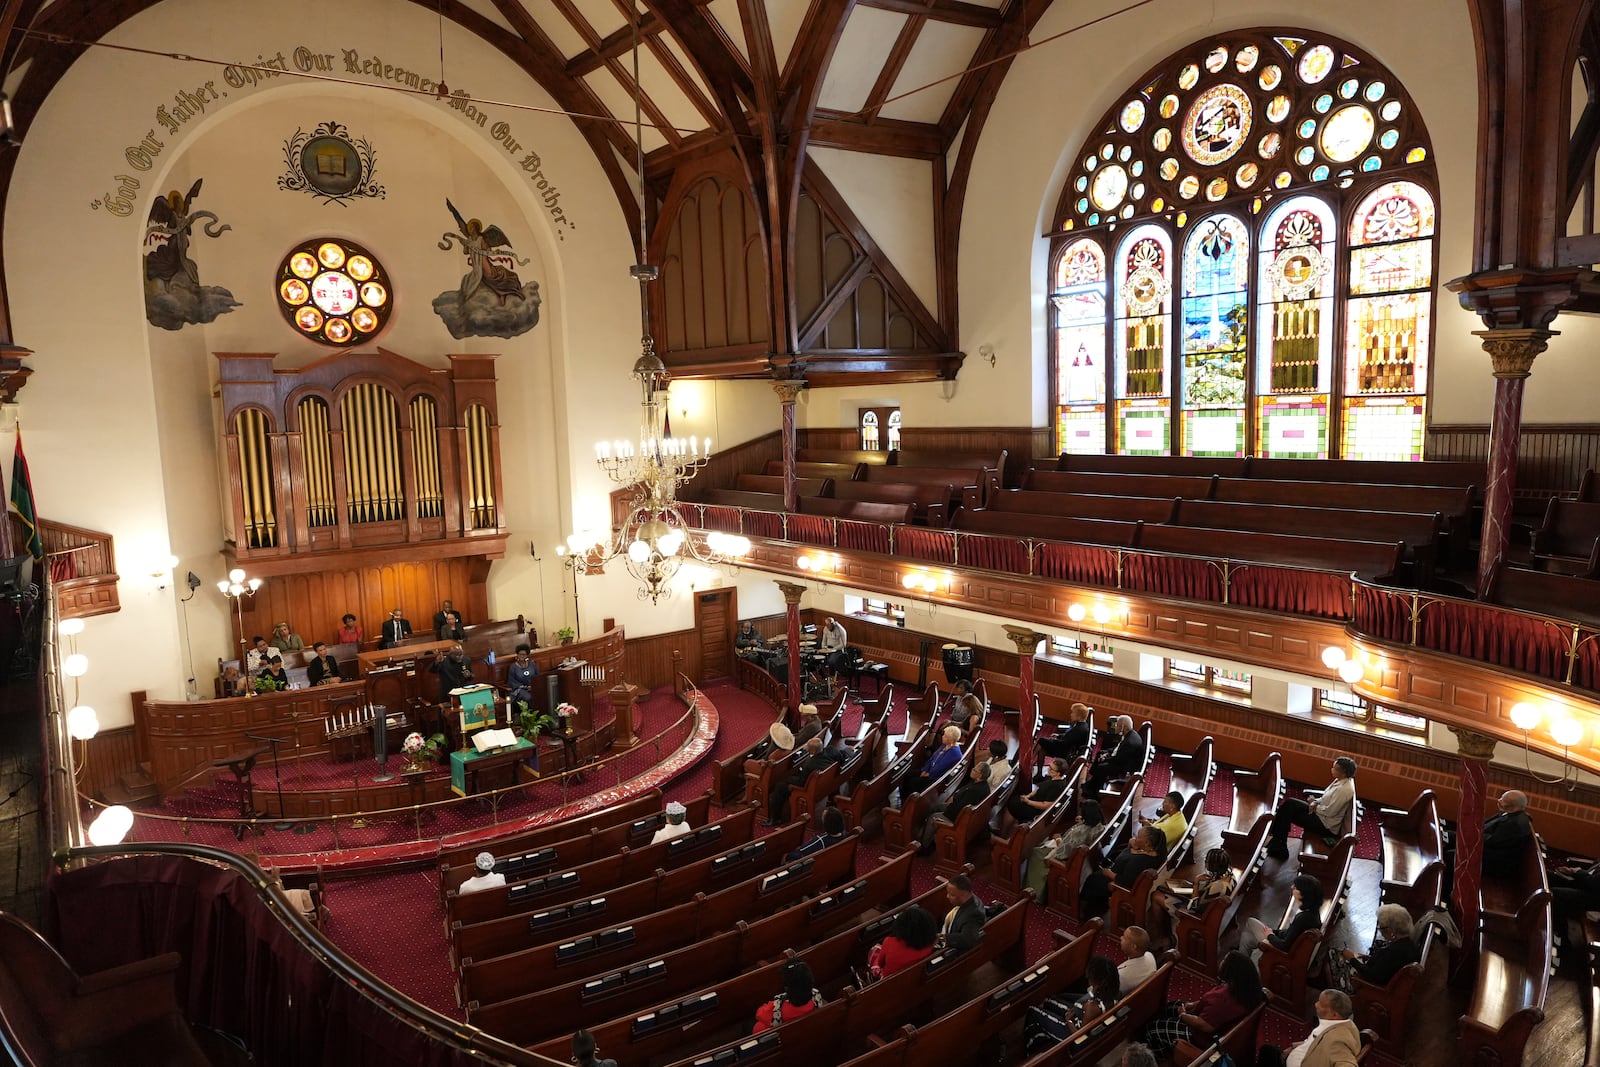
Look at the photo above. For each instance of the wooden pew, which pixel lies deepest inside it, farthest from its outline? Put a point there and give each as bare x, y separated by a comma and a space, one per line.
843, 472
1589, 487
1513, 980
926, 705
1372, 559
1093, 1043
957, 1038
1084, 506
662, 1028
1167, 486
1562, 595
902, 825
952, 837
806, 800
742, 498
852, 456
1568, 541
660, 888
1419, 532
1413, 854
642, 902
614, 947
1502, 899
871, 794
1187, 466
1285, 972
525, 861
732, 831
1198, 936
761, 775
930, 495
1052, 527
1130, 907
455, 852
1009, 855
1454, 504
769, 483
1317, 857
1192, 773
1255, 793
1385, 1009
1465, 474
858, 510
1239, 1043
1066, 876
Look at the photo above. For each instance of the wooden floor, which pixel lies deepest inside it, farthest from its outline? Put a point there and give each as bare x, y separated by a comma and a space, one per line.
1436, 1005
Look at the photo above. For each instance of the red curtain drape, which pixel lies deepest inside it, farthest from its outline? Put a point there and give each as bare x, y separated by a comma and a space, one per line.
811, 529
717, 517
929, 546
994, 553
1285, 589
1085, 564
1196, 579
863, 536
1485, 633
763, 524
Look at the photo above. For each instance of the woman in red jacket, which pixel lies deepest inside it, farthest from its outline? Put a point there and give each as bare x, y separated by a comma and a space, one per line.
798, 999
910, 941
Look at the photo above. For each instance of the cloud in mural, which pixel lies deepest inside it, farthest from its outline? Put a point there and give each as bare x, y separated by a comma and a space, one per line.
173, 295
174, 306
492, 300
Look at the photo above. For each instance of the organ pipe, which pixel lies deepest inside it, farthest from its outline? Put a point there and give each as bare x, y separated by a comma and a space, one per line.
480, 468
372, 454
255, 476
317, 456
425, 456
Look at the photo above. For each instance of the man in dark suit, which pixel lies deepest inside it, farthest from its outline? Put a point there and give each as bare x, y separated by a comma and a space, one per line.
814, 759
1071, 742
454, 670
963, 923
395, 629
1121, 755
1506, 834
442, 616
323, 667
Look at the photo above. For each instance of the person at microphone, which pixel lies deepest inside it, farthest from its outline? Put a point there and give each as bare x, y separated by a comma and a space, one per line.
454, 670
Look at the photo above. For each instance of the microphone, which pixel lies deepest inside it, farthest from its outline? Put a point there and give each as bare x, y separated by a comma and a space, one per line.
273, 740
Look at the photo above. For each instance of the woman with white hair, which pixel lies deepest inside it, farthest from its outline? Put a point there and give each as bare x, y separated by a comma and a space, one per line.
486, 878
1391, 952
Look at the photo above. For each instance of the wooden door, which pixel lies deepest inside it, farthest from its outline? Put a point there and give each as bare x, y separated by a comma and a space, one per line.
716, 615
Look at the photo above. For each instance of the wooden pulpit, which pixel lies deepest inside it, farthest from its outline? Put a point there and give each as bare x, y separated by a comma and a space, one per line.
625, 706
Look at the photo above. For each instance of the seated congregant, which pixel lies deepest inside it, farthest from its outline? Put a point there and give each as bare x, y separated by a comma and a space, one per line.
286, 640
350, 631
259, 656
1071, 742
1145, 851
1506, 834
677, 823
1121, 753
274, 679
441, 616
451, 629
323, 668
396, 628
486, 878
1393, 949
1324, 815
832, 834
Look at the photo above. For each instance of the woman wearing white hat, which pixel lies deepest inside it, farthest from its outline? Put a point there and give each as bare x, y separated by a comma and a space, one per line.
486, 878
676, 825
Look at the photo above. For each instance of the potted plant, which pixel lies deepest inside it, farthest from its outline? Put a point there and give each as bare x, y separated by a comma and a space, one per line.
533, 722
566, 634
417, 749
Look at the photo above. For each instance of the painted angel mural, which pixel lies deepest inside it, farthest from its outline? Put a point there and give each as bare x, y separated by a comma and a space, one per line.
492, 300
173, 295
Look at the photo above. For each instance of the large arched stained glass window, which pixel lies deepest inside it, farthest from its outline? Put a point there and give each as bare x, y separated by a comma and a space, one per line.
1243, 260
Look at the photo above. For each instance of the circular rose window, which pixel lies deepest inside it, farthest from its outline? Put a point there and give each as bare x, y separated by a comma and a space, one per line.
334, 291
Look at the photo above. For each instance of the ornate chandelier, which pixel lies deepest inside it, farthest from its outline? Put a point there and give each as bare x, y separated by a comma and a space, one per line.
654, 539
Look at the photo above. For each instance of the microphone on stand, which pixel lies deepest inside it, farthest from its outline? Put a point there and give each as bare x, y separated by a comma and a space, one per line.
281, 824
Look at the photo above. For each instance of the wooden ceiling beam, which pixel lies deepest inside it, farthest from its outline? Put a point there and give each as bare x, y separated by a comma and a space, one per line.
613, 45
17, 16
952, 11
893, 65
885, 137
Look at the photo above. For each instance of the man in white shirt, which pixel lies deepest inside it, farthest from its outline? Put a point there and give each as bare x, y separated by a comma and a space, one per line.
1335, 1042
833, 636
1140, 963
675, 826
1325, 816
486, 878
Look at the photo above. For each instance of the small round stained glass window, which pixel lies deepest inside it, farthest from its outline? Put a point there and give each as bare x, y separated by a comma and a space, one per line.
1217, 58
1246, 175
1390, 111
1316, 64
1348, 87
1110, 186
1169, 106
1269, 145
1188, 76
1347, 133
1271, 75
1217, 124
1189, 187
1375, 91
1245, 61
1132, 116
334, 292
1162, 139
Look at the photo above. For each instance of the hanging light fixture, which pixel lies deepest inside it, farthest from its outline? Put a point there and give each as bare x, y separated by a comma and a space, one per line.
653, 541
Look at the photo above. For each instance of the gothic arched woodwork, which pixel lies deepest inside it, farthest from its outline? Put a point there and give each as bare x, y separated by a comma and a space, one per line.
707, 301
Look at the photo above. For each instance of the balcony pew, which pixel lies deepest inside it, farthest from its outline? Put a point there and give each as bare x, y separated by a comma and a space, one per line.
1192, 773
525, 860
889, 514
1198, 936
1285, 973
1385, 1009
455, 852
872, 793
853, 456
1419, 532
1187, 466
1464, 474
1502, 899
1563, 595
733, 830
1453, 503
1066, 876
662, 887
1372, 559
829, 1034
1512, 982
773, 483
742, 498
1413, 854
643, 901
663, 1028
1568, 540
926, 705
582, 955
988, 468
843, 472
1094, 1042
1053, 527
958, 1037
1130, 907
930, 503
1083, 505
1164, 486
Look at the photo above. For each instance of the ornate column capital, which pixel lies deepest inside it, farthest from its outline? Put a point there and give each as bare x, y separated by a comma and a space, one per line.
1026, 640
1473, 745
791, 592
788, 389
1512, 352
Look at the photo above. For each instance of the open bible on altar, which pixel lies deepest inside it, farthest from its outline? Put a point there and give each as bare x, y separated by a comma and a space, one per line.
484, 740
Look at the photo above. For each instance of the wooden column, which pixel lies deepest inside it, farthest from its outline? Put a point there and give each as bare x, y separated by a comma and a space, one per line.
1027, 642
787, 391
791, 596
1475, 750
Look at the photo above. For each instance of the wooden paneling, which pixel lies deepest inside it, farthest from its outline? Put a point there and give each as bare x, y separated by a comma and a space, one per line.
713, 271
1550, 459
105, 758
1024, 444
649, 661
313, 603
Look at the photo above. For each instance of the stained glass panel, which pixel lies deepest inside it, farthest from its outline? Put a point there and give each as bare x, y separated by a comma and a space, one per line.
1294, 342
1388, 335
1144, 427
1389, 428
1081, 430
1144, 306
1293, 428
1080, 303
1216, 266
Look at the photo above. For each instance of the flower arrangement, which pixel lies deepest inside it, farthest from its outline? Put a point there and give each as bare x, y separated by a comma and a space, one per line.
416, 748
565, 713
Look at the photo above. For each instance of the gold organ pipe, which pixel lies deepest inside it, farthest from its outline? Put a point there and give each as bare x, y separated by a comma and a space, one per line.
255, 476
247, 487
394, 476
318, 461
425, 455
355, 465
478, 473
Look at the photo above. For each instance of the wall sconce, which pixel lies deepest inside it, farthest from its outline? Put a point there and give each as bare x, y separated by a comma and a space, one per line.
111, 826
1565, 731
921, 582
83, 723
1077, 612
1349, 669
161, 574
818, 564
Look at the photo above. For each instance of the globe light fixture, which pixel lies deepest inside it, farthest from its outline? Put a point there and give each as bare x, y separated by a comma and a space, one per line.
111, 826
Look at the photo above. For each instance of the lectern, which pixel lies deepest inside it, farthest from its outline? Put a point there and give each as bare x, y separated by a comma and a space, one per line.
625, 706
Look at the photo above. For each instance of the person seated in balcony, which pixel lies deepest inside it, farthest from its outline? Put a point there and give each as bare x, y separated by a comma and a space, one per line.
999, 766
814, 760
1071, 742
274, 679
1324, 816
486, 878
350, 631
285, 640
451, 629
973, 790
441, 616
1089, 825
454, 670
1121, 754
323, 668
259, 656
1391, 952
520, 675
1506, 834
234, 684
395, 629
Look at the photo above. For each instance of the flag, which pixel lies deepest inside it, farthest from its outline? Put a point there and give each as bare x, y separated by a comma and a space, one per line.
22, 499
